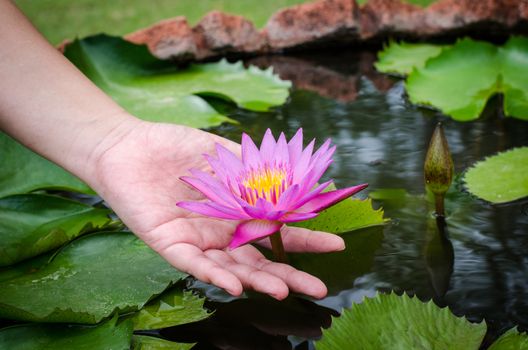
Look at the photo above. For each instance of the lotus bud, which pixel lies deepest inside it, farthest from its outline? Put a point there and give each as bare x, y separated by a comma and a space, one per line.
438, 168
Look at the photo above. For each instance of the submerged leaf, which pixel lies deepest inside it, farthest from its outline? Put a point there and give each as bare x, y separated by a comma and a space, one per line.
348, 215
88, 280
24, 171
32, 224
144, 342
400, 322
105, 336
402, 58
160, 91
511, 340
173, 308
339, 270
500, 178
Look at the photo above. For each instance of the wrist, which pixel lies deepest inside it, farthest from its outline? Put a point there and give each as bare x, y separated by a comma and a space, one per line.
94, 141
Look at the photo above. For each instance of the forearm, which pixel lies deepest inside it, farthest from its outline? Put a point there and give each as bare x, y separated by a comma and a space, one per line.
49, 105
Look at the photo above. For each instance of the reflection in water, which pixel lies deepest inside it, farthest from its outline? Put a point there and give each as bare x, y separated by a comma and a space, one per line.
439, 257
259, 322
481, 269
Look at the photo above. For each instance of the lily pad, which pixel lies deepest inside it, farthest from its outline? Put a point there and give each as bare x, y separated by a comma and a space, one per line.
400, 322
348, 215
24, 171
173, 308
88, 280
159, 91
511, 340
144, 342
500, 178
32, 224
402, 58
108, 335
25, 267
463, 77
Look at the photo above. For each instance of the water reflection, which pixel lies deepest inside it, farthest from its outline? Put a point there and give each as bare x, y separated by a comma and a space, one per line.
476, 262
439, 257
258, 322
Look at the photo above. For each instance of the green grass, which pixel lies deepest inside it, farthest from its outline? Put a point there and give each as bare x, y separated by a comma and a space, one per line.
67, 19
416, 2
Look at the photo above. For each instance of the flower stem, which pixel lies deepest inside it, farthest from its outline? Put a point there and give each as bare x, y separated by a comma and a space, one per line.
278, 248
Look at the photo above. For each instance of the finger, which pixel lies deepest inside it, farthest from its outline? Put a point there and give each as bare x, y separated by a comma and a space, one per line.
298, 239
190, 259
297, 281
204, 233
251, 277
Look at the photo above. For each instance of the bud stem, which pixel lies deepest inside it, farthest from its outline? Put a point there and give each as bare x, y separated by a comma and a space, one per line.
278, 248
439, 204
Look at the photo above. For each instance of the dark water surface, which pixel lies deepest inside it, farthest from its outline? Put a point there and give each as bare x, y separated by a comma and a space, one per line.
476, 262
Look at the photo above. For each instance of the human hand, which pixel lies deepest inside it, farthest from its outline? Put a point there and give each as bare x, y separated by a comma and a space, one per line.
138, 172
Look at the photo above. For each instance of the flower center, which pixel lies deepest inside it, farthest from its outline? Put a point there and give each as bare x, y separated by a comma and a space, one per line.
267, 182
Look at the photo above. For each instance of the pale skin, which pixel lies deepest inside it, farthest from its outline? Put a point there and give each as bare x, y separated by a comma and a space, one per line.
52, 108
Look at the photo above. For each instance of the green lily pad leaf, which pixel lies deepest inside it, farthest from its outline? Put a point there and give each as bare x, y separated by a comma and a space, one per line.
173, 308
402, 58
25, 267
108, 335
88, 280
500, 178
511, 340
514, 74
144, 342
158, 90
463, 77
32, 224
24, 171
400, 322
348, 215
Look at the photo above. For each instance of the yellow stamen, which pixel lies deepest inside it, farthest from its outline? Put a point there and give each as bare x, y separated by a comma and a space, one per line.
267, 182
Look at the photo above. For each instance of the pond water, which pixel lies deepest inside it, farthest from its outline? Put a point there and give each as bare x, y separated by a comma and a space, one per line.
476, 262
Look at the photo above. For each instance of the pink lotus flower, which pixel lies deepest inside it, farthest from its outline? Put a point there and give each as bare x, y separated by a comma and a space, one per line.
268, 187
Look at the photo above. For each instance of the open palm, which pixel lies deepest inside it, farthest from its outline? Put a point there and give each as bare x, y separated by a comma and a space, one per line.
139, 177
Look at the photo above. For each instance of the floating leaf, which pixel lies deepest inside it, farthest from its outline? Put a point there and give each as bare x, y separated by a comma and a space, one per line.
108, 335
25, 267
500, 178
463, 77
514, 77
89, 279
511, 340
144, 342
32, 224
160, 91
24, 171
173, 308
348, 215
400, 322
402, 58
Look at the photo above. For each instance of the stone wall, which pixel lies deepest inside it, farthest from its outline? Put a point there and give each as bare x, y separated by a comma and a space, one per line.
337, 23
